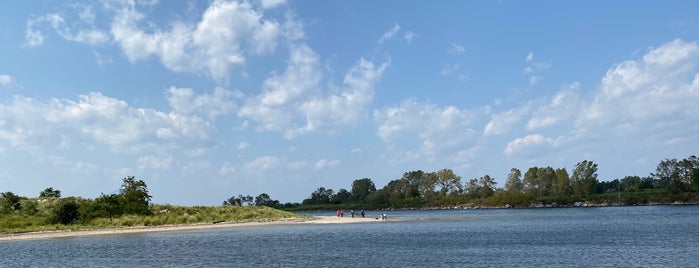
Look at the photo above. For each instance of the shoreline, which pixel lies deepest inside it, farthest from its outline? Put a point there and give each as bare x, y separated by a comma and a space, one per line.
178, 227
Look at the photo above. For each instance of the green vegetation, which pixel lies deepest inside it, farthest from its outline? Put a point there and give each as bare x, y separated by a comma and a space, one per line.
131, 207
675, 181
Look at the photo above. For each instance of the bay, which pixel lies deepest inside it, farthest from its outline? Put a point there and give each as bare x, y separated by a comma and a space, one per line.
647, 236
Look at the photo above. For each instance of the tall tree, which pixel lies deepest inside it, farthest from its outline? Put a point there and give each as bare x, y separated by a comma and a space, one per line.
414, 180
342, 196
135, 196
562, 182
513, 185
448, 182
584, 178
263, 199
531, 181
11, 201
361, 188
487, 186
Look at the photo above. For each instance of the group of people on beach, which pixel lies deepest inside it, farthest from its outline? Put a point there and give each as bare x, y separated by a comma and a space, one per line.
341, 213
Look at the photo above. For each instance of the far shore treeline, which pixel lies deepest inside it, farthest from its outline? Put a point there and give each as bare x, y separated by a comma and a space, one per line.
673, 182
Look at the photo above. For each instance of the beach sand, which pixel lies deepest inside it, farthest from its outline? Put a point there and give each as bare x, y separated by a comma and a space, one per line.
181, 227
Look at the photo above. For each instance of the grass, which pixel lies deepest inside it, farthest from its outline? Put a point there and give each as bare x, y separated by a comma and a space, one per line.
39, 219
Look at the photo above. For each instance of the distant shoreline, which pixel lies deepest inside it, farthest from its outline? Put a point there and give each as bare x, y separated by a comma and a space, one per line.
178, 227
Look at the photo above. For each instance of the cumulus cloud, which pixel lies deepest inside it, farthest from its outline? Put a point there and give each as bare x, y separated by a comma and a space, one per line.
155, 162
263, 163
210, 105
528, 142
220, 41
563, 106
661, 85
437, 129
293, 102
501, 123
85, 34
95, 118
5, 79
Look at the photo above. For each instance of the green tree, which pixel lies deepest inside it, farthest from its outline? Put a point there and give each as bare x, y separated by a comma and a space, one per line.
513, 185
320, 196
50, 192
135, 196
562, 182
546, 177
263, 199
531, 182
631, 184
108, 205
342, 196
11, 201
66, 211
448, 182
584, 178
361, 188
472, 187
487, 186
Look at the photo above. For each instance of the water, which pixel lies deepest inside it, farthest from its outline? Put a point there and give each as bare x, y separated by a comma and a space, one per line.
657, 236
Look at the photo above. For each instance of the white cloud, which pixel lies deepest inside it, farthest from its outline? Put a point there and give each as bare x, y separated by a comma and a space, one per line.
325, 163
528, 142
97, 119
210, 105
155, 162
262, 163
409, 37
218, 42
456, 49
293, 101
660, 87
5, 79
530, 57
438, 130
564, 105
297, 165
267, 4
503, 122
388, 35
88, 35
243, 145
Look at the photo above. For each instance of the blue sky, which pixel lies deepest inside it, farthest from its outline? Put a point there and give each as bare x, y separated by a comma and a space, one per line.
206, 100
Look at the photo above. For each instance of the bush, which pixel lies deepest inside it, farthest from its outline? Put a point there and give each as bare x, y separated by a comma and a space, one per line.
66, 212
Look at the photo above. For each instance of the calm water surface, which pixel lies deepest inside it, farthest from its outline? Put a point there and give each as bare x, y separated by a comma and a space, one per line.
657, 236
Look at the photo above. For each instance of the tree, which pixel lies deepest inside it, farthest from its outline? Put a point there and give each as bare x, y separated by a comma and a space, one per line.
361, 188
50, 192
112, 205
562, 182
233, 201
448, 182
416, 184
320, 196
631, 184
342, 196
584, 178
11, 201
472, 187
531, 181
264, 200
66, 211
135, 196
487, 186
513, 185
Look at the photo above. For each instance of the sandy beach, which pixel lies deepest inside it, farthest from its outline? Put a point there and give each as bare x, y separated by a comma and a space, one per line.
181, 227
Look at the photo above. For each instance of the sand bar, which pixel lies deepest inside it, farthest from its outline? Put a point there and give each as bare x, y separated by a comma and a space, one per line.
180, 227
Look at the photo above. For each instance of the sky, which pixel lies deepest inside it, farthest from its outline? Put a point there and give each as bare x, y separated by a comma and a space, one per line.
204, 100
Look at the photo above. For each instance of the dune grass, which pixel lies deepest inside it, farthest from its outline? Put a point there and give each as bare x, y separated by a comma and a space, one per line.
39, 219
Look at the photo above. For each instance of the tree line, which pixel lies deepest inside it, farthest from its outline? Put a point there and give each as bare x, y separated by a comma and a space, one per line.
673, 180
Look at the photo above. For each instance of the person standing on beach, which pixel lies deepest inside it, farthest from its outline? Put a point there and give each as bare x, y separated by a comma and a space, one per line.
362, 213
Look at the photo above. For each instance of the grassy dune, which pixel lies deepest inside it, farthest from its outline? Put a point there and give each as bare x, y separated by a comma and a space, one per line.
38, 217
